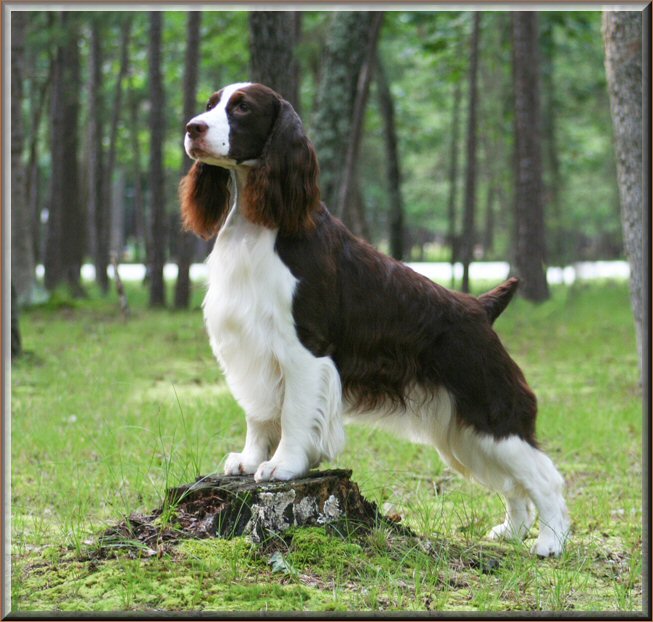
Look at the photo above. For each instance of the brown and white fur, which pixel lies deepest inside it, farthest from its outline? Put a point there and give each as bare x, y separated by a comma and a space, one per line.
311, 324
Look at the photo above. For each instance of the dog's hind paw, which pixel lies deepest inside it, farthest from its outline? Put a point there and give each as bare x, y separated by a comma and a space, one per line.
506, 531
549, 545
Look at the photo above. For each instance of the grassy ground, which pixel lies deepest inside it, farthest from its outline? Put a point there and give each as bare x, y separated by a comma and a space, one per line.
107, 413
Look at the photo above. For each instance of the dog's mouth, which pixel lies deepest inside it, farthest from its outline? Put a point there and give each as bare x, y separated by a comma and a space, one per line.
200, 154
197, 152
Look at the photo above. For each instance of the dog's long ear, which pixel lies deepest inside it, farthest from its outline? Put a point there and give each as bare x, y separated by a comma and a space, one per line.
282, 189
204, 195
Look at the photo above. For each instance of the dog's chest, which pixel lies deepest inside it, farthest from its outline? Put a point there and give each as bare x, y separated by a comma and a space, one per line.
248, 305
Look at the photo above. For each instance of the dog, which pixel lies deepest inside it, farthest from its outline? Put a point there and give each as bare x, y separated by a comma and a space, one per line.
311, 325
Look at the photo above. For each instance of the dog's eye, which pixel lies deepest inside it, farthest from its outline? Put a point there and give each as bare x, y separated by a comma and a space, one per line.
209, 105
242, 106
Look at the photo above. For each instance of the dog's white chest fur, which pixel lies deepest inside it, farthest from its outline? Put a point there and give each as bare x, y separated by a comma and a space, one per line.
248, 307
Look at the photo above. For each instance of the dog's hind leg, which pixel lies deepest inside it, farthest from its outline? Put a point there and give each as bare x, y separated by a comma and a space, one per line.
519, 472
545, 487
520, 516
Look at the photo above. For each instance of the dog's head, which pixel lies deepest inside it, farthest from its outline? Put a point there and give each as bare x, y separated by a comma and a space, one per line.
252, 128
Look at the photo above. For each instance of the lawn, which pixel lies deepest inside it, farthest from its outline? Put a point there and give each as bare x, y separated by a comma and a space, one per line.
106, 413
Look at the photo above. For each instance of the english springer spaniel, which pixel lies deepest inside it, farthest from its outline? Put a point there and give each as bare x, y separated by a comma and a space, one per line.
311, 324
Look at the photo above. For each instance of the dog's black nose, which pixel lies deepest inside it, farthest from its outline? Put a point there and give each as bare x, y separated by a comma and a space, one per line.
196, 129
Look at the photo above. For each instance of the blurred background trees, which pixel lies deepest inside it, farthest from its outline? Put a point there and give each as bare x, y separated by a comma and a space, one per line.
530, 233
519, 168
622, 33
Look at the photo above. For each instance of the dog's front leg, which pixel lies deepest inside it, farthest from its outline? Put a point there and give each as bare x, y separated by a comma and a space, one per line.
311, 418
262, 437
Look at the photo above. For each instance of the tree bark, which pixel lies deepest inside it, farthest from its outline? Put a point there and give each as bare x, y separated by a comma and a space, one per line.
157, 191
468, 234
22, 248
33, 179
491, 114
16, 341
453, 177
53, 265
331, 128
186, 240
530, 255
97, 229
141, 208
622, 35
550, 112
488, 229
387, 107
349, 173
273, 36
74, 218
117, 211
231, 506
66, 229
113, 205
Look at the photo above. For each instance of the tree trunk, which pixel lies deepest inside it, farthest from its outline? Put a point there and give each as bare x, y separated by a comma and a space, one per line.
453, 177
66, 235
112, 203
53, 265
468, 235
157, 190
343, 58
96, 181
488, 229
530, 255
140, 205
272, 39
22, 248
74, 221
387, 107
16, 341
232, 506
622, 35
492, 155
186, 240
550, 146
491, 113
349, 174
117, 211
33, 180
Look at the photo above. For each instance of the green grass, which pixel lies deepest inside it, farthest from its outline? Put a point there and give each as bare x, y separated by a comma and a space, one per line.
107, 413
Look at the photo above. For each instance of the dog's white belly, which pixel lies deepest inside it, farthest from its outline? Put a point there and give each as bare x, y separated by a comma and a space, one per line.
428, 419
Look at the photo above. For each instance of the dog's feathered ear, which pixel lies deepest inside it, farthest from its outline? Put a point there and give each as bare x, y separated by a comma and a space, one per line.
204, 195
282, 189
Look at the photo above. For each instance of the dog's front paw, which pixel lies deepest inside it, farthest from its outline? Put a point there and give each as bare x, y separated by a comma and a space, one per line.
276, 469
240, 464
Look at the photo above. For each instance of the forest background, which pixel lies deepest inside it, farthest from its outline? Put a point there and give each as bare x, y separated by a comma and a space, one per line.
441, 165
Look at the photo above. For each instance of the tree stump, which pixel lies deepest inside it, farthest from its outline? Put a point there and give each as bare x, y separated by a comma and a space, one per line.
236, 505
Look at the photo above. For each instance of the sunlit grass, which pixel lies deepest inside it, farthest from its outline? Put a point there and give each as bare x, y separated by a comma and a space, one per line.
107, 413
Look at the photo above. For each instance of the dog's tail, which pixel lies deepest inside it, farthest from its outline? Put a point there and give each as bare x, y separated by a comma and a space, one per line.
497, 299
